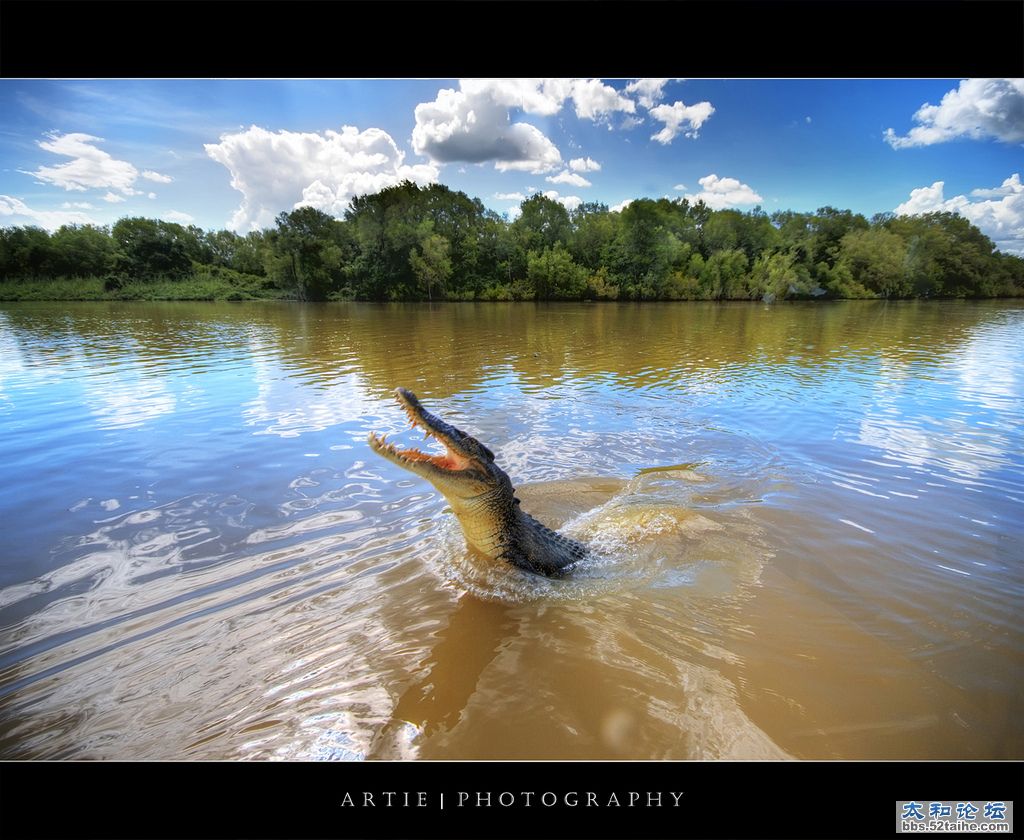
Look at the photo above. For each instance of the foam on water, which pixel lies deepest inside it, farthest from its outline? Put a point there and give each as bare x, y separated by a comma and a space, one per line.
654, 531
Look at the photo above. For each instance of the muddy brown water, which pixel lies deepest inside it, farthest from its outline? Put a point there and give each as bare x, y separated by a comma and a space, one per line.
806, 523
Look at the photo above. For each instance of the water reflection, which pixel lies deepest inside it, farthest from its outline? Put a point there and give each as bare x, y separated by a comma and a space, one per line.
809, 516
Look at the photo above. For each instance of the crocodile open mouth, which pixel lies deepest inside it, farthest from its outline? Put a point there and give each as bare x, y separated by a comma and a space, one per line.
433, 429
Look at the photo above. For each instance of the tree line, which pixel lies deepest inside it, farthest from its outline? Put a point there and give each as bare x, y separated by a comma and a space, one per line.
409, 242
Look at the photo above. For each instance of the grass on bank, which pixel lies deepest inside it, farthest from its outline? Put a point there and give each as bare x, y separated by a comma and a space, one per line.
211, 283
219, 283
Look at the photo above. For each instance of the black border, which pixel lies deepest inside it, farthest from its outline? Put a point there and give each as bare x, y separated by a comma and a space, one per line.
396, 39
419, 38
777, 800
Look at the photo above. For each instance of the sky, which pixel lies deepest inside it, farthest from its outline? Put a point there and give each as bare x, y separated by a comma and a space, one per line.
235, 153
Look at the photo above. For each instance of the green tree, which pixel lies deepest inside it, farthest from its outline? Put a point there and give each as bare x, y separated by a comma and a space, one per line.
829, 226
724, 275
542, 223
594, 230
26, 252
774, 276
307, 252
552, 274
431, 263
151, 248
599, 287
946, 254
82, 251
877, 261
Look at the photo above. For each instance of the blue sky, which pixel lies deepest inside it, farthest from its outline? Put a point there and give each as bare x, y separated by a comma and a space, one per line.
235, 153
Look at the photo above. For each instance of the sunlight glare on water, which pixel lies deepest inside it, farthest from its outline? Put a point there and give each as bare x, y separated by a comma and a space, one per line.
805, 525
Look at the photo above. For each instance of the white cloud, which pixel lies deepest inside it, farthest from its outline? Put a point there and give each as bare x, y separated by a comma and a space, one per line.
678, 117
282, 170
472, 124
543, 97
89, 167
584, 165
512, 196
999, 215
567, 177
680, 187
14, 209
150, 175
978, 109
720, 193
922, 200
807, 120
569, 202
622, 205
1011, 186
593, 99
77, 205
151, 195
113, 198
647, 91
177, 216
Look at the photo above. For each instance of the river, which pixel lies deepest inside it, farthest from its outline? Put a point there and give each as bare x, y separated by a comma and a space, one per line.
810, 520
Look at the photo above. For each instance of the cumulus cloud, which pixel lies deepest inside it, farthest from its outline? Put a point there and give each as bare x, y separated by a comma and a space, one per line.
569, 202
113, 198
647, 91
622, 205
567, 177
1011, 186
979, 109
999, 214
512, 196
89, 167
150, 175
593, 99
721, 193
472, 124
282, 170
584, 165
77, 205
177, 216
680, 187
15, 211
543, 97
922, 200
679, 118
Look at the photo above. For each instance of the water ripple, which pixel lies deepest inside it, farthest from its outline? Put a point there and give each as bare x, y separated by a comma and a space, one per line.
803, 516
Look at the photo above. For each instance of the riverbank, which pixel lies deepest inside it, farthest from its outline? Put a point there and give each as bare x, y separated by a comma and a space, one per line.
197, 287
239, 287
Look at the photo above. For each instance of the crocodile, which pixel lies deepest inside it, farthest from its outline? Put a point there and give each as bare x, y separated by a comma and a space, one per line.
481, 495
